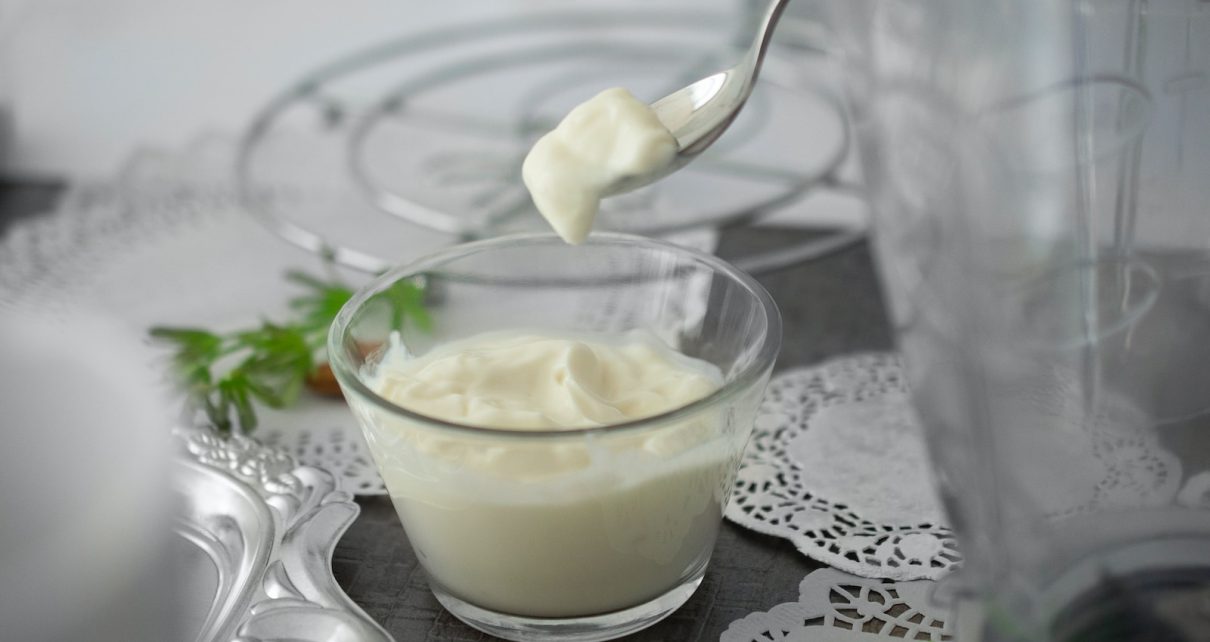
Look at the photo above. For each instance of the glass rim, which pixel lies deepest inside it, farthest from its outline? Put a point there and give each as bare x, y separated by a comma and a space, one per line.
350, 380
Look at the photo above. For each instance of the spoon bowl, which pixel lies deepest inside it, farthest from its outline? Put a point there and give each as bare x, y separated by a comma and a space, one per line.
696, 115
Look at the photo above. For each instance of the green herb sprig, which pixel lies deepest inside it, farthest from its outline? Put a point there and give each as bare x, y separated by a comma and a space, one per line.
224, 375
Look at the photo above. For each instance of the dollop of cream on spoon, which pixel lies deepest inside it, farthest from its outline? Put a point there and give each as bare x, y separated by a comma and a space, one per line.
611, 136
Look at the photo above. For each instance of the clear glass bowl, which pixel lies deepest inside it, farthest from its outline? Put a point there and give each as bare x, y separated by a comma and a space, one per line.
582, 534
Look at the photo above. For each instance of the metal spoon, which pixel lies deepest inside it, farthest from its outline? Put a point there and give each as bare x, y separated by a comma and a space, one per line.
698, 114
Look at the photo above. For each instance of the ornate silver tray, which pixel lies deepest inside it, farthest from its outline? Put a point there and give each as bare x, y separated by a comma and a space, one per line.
257, 533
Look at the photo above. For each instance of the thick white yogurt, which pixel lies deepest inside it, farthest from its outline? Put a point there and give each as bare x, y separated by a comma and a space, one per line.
551, 525
609, 137
534, 382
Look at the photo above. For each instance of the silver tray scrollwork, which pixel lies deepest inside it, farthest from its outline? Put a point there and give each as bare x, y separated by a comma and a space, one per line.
257, 533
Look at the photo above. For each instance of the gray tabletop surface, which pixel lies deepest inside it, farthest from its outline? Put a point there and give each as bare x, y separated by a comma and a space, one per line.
830, 307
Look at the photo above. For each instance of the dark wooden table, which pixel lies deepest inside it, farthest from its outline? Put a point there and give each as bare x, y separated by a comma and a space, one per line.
830, 307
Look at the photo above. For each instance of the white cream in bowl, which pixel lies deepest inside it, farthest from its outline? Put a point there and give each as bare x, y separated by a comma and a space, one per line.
527, 521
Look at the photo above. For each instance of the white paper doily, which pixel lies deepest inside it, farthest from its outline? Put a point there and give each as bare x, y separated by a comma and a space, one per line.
336, 447
837, 465
836, 607
167, 243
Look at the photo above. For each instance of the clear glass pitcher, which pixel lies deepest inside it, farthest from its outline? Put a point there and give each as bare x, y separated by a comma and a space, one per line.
1040, 175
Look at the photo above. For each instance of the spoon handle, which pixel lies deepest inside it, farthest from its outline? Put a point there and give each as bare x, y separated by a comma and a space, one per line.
764, 35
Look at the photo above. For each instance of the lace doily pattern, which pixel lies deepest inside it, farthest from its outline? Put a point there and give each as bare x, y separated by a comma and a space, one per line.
338, 448
1138, 472
837, 465
837, 515
836, 606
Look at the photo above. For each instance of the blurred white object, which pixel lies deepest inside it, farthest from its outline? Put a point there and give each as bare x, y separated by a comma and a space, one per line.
83, 482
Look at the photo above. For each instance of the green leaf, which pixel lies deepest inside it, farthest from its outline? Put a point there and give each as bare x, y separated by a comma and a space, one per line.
420, 316
270, 362
234, 393
306, 280
193, 346
216, 411
265, 394
319, 306
182, 335
406, 302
